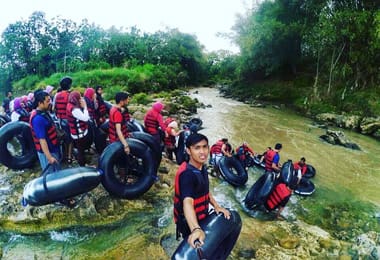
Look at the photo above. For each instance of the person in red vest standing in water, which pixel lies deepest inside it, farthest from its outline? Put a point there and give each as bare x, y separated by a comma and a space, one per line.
154, 123
272, 159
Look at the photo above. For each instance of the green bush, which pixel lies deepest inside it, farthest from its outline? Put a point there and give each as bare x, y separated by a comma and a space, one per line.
141, 98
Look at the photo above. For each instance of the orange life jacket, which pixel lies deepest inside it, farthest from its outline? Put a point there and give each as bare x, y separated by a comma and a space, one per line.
269, 156
278, 195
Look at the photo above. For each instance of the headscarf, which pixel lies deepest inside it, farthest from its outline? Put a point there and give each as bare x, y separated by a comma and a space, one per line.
17, 103
173, 124
158, 106
89, 93
49, 89
74, 98
30, 96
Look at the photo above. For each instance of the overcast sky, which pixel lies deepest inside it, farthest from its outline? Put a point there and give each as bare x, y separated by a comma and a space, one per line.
204, 18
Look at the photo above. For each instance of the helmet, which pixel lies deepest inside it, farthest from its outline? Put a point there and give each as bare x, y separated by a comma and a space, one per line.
65, 82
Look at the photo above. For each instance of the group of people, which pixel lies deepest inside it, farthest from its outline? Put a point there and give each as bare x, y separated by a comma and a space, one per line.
78, 118
192, 194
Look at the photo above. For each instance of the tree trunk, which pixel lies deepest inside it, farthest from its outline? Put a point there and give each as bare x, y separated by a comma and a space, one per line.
332, 66
315, 85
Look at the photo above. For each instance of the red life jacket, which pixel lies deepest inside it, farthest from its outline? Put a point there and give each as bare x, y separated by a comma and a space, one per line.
51, 131
101, 112
201, 204
299, 167
216, 148
168, 121
170, 140
91, 109
278, 195
61, 100
126, 116
150, 121
77, 127
269, 156
112, 125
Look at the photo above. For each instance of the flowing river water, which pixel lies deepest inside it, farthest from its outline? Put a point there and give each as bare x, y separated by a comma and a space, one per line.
345, 205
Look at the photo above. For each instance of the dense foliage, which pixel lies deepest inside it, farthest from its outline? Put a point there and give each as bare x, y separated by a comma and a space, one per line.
319, 55
39, 49
329, 50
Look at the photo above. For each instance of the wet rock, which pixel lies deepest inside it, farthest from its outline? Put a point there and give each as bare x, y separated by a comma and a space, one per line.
338, 138
163, 169
370, 125
367, 244
247, 253
289, 242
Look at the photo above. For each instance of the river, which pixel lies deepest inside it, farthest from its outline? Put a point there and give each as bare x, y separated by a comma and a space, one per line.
328, 224
338, 168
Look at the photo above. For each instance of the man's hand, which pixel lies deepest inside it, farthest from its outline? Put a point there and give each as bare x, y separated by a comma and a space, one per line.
225, 212
52, 160
197, 236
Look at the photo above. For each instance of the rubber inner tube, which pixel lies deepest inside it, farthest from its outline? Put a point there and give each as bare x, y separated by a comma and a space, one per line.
4, 120
60, 185
138, 169
221, 236
305, 188
17, 148
310, 172
135, 126
195, 124
259, 191
149, 140
232, 171
181, 154
287, 172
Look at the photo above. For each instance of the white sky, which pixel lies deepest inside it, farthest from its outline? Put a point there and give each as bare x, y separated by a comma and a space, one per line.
204, 18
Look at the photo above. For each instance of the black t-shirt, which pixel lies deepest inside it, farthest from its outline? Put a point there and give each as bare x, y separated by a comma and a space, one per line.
193, 182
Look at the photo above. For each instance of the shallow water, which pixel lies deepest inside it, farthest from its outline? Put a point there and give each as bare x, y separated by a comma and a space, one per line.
338, 168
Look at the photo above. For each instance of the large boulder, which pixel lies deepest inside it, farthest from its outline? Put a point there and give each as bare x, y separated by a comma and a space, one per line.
338, 138
370, 125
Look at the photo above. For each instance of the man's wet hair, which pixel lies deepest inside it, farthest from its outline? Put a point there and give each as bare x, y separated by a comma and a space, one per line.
278, 146
194, 139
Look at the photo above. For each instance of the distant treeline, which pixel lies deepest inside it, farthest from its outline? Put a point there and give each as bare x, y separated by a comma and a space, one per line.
317, 55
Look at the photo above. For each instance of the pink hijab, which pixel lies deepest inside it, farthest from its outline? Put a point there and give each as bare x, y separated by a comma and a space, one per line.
74, 98
89, 93
158, 106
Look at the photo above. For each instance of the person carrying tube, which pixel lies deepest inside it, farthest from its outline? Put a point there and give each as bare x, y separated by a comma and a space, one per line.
192, 192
